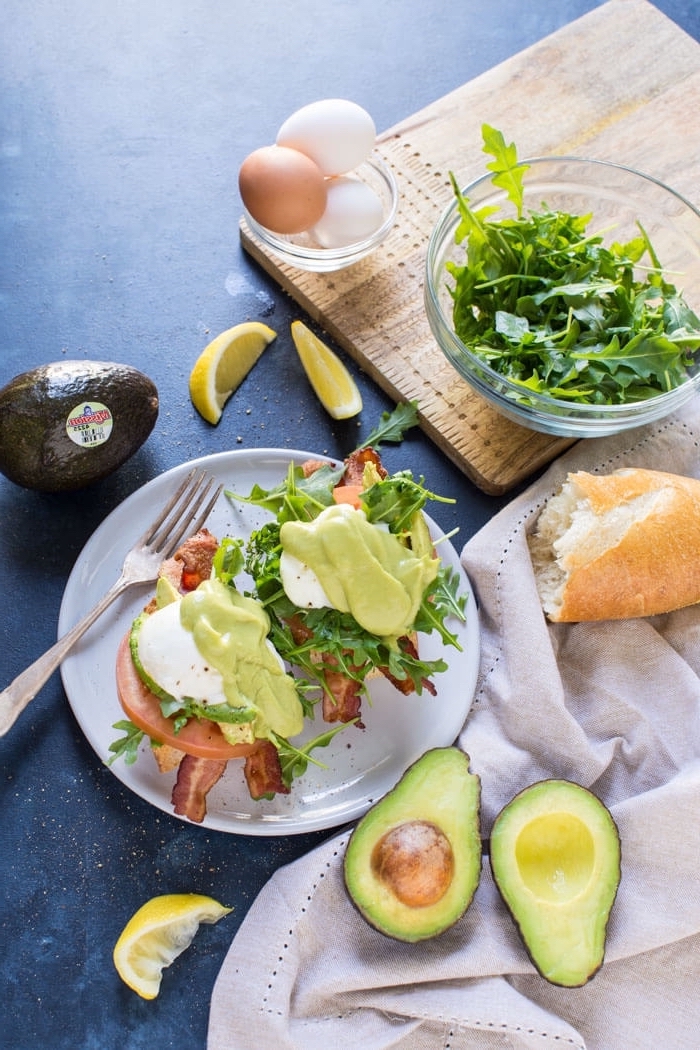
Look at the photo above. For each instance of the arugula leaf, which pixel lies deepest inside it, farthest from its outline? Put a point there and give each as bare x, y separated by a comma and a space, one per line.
547, 305
228, 559
295, 760
297, 498
393, 425
126, 746
395, 500
508, 176
442, 599
352, 651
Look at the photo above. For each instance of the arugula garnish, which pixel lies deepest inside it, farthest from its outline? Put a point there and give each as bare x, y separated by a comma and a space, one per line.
127, 746
228, 559
295, 760
393, 425
351, 650
300, 498
395, 501
297, 498
441, 600
550, 307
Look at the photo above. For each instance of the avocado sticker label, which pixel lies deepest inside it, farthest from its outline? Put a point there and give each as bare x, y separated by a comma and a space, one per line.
89, 424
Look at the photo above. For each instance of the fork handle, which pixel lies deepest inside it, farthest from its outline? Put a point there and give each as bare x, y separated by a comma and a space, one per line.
26, 685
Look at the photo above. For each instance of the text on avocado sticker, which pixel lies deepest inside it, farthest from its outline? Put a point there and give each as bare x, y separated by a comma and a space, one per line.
89, 424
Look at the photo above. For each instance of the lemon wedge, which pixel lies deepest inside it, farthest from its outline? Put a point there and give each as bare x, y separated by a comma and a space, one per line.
334, 386
157, 933
223, 365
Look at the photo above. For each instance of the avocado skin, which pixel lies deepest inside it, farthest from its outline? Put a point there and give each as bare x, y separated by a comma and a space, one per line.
35, 450
555, 857
440, 789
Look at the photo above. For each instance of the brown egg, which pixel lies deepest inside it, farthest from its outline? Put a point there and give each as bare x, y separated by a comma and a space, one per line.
282, 189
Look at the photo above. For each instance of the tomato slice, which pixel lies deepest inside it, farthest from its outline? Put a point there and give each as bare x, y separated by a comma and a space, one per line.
198, 737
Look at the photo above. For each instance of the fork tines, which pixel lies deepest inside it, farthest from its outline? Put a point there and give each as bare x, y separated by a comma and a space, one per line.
184, 513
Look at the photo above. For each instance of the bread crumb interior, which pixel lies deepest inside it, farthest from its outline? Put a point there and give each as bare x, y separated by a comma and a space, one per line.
569, 535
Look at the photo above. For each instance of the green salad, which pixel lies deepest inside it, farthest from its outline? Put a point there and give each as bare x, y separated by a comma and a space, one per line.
550, 307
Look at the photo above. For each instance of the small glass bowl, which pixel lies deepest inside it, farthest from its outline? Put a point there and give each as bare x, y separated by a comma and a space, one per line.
617, 198
302, 251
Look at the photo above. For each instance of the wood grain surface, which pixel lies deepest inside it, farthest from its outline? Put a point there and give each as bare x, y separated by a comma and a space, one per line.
621, 84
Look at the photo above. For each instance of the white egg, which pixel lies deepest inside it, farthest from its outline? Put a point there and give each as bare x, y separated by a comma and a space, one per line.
169, 656
337, 134
353, 212
301, 584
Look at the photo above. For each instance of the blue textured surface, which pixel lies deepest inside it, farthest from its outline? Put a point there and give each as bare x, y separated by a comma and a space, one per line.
123, 128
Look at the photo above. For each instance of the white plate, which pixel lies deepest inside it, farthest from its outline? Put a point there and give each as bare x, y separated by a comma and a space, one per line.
361, 765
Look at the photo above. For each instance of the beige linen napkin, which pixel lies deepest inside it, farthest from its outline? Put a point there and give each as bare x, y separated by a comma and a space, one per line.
614, 706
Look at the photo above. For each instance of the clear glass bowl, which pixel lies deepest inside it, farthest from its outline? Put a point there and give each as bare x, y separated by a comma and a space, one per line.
617, 198
302, 251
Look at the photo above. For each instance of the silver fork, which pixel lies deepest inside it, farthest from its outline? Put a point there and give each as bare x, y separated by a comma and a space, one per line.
182, 515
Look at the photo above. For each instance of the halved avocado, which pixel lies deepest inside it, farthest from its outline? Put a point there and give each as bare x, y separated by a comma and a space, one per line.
555, 857
413, 862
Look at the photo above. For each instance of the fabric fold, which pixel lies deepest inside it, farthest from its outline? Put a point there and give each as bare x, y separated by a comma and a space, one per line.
612, 706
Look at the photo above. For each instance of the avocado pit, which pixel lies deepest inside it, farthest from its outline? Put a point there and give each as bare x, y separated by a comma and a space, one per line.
415, 861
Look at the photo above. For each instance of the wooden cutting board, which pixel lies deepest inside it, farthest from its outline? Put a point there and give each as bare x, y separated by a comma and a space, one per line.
622, 84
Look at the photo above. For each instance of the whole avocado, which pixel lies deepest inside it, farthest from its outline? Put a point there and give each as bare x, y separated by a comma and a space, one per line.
67, 424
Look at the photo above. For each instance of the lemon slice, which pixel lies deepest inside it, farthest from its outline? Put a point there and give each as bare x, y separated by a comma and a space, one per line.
223, 365
334, 386
157, 933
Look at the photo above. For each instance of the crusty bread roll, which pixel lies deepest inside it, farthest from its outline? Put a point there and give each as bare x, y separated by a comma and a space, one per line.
626, 544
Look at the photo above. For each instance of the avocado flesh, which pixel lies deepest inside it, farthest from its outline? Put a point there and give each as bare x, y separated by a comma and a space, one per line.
434, 812
555, 858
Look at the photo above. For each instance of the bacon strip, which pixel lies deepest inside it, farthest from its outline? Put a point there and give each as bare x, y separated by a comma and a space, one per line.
263, 772
195, 779
310, 466
341, 698
196, 554
405, 685
190, 564
197, 776
355, 466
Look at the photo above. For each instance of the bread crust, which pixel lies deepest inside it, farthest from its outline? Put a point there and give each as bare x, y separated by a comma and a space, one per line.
652, 567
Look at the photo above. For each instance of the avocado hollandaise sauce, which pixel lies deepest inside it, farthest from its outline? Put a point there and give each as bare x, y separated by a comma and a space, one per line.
211, 646
360, 568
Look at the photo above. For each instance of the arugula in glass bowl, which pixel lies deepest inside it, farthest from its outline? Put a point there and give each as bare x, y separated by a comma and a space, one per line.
557, 287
